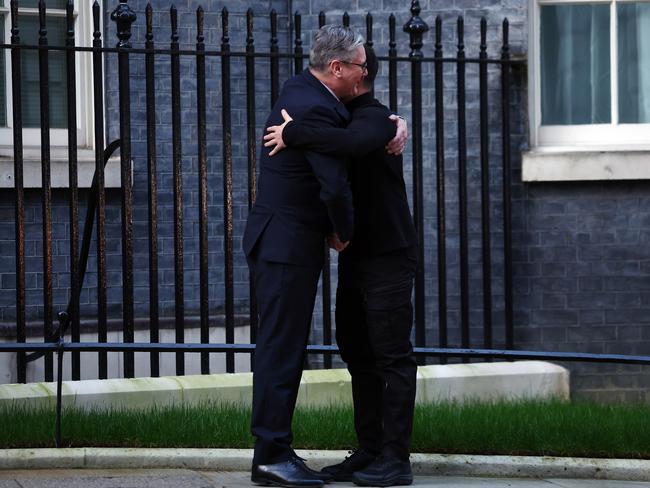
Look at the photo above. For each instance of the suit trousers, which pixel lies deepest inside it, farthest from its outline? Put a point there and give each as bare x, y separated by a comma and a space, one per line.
285, 298
374, 317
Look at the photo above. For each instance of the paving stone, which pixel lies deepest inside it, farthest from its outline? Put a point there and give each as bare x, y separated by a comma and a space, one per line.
465, 482
111, 479
599, 484
9, 484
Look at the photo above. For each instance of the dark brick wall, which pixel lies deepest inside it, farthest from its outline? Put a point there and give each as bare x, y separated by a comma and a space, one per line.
580, 257
583, 282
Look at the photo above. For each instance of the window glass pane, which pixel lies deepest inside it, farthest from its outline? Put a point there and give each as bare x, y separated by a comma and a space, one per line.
3, 90
49, 4
634, 62
575, 64
56, 29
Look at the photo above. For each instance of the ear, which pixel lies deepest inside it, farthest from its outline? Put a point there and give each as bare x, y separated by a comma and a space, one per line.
336, 68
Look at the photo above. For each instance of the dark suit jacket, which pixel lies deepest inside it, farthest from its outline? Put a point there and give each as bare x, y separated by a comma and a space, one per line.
301, 194
383, 221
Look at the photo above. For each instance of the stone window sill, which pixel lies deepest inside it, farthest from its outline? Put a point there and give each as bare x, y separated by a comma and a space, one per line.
585, 164
59, 168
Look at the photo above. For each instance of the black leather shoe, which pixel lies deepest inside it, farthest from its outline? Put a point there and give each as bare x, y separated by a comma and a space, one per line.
289, 473
324, 477
385, 471
358, 460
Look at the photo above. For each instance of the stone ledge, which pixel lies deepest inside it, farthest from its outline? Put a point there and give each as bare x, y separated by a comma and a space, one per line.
585, 165
456, 382
32, 177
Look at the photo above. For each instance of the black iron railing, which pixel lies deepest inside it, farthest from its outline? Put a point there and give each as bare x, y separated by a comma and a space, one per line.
124, 17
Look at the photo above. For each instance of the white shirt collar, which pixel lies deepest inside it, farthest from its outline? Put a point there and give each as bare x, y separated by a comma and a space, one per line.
330, 90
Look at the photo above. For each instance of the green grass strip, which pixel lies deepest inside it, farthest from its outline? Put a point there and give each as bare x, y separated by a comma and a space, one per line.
523, 428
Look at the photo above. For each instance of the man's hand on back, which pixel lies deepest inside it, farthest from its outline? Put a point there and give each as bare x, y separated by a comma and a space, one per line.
274, 137
397, 144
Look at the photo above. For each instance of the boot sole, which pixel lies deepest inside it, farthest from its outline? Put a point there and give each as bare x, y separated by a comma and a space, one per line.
266, 482
397, 481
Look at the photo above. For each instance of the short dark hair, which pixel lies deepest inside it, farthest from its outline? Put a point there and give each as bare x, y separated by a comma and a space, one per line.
373, 66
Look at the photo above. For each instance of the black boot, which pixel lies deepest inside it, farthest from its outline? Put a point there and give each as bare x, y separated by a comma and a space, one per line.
358, 460
385, 471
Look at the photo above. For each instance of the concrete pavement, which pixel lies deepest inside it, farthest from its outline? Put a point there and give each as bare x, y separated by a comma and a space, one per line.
186, 478
239, 460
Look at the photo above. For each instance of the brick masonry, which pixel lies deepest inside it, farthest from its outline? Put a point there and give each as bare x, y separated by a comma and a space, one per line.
581, 264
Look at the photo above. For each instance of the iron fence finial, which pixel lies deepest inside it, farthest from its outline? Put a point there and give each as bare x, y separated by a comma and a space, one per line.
415, 28
148, 12
123, 16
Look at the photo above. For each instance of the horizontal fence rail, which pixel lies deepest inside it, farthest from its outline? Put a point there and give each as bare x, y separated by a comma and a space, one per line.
253, 61
505, 354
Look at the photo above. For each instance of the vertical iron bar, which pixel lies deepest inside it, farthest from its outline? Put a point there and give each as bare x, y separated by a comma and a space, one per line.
275, 60
346, 19
392, 64
227, 191
98, 95
75, 285
485, 189
63, 318
43, 73
440, 176
369, 29
326, 277
416, 27
203, 189
297, 50
179, 304
21, 333
154, 317
123, 16
252, 167
327, 305
462, 186
369, 41
59, 388
507, 181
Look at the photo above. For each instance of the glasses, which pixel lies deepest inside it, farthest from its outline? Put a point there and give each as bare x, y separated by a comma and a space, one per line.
363, 66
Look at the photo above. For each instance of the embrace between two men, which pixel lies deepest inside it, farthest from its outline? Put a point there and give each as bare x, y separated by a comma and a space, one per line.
334, 172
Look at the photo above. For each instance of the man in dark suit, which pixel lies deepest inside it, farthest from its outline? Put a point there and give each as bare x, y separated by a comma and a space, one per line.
374, 313
302, 197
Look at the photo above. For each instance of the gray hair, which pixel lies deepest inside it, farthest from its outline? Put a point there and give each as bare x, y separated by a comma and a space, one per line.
333, 42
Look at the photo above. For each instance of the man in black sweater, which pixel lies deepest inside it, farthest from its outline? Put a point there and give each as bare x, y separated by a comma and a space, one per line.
374, 313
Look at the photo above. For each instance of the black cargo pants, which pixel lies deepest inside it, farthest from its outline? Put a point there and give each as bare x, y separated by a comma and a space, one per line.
374, 316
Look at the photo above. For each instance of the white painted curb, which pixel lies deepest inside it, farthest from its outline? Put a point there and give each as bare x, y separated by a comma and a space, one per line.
240, 460
435, 383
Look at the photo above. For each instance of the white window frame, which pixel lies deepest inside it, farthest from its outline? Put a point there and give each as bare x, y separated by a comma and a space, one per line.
83, 82
59, 153
592, 136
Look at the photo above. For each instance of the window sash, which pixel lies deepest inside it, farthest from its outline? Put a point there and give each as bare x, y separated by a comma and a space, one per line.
634, 78
83, 82
30, 73
613, 134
